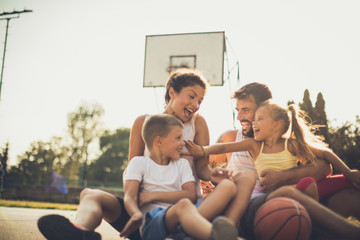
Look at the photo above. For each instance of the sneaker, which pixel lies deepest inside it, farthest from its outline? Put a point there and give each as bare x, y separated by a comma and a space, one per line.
223, 229
56, 227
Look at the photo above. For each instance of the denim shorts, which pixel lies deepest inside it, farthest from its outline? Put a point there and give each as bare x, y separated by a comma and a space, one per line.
154, 227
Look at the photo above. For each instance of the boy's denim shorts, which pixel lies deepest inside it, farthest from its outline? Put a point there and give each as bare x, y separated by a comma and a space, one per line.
154, 227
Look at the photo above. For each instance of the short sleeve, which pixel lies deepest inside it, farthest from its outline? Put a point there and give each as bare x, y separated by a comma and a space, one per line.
134, 170
186, 172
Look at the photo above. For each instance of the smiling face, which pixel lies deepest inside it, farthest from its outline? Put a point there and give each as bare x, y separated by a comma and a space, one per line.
263, 125
185, 103
173, 143
246, 109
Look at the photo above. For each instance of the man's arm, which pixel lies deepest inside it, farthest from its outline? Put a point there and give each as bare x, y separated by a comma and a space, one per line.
272, 180
188, 191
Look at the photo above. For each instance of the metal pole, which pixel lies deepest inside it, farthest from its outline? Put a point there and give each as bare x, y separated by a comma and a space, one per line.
3, 60
17, 13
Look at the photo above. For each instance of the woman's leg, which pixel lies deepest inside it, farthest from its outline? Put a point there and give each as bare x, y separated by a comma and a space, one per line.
94, 206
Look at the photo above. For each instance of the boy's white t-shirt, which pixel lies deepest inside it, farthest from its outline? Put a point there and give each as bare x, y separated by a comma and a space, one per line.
189, 132
159, 178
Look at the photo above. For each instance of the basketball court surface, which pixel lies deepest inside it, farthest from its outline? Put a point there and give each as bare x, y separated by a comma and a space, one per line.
21, 223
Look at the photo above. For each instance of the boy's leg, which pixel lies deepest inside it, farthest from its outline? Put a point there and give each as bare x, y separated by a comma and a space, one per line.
245, 183
185, 213
215, 203
322, 218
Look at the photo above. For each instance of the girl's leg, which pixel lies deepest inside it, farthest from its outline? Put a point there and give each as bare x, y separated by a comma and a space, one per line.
215, 203
94, 206
245, 183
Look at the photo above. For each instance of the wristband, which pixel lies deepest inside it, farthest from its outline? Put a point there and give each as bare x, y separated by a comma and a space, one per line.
206, 154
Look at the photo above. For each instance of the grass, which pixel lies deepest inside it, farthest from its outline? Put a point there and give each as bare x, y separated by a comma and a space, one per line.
41, 205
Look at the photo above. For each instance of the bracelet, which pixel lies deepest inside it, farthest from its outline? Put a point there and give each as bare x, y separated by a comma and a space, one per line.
206, 154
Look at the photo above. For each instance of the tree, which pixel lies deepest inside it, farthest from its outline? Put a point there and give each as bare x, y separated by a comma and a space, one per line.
37, 164
4, 156
320, 118
84, 127
306, 105
108, 168
345, 142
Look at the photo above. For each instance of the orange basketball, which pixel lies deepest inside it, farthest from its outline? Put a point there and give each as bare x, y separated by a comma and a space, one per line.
282, 218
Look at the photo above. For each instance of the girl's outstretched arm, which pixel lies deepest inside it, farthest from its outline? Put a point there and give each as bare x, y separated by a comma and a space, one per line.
352, 175
217, 148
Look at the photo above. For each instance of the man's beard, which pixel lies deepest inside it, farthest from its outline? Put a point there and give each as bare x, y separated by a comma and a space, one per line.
248, 132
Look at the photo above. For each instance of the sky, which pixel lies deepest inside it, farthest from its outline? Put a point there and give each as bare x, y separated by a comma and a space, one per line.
69, 52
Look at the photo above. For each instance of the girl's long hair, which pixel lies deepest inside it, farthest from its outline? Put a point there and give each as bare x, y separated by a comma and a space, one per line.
303, 134
295, 127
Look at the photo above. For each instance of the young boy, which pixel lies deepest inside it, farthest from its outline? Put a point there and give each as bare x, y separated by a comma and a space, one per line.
168, 189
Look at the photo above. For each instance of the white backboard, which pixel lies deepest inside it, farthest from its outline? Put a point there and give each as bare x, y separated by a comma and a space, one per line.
203, 51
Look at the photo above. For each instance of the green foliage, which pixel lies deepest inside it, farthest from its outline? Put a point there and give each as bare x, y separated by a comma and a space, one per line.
70, 157
37, 164
345, 142
84, 127
107, 169
306, 105
4, 157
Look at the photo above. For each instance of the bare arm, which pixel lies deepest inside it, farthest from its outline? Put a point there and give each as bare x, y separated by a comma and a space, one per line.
272, 180
188, 191
222, 160
218, 148
352, 175
203, 170
131, 189
136, 143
